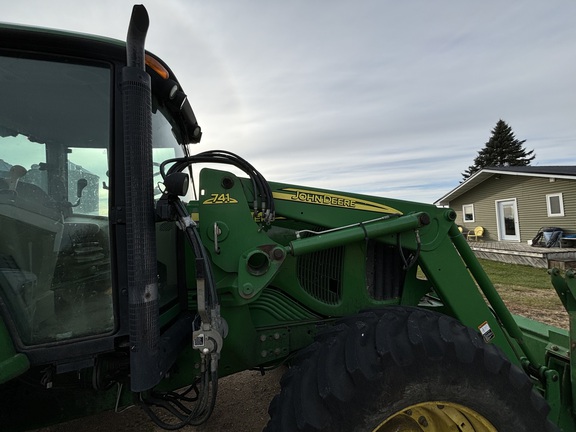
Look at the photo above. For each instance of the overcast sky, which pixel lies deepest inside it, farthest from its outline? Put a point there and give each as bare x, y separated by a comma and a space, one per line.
380, 97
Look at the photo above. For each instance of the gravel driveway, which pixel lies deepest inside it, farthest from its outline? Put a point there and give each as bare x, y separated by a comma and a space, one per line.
242, 406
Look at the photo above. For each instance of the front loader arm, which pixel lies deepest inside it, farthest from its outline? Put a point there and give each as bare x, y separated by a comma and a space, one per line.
321, 220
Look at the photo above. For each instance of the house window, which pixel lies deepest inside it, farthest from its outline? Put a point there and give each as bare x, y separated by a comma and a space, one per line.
468, 212
555, 205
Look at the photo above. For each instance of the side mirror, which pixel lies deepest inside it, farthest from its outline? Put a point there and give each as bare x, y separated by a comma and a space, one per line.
82, 183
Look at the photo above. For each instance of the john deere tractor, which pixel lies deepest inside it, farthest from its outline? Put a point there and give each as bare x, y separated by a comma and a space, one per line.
136, 271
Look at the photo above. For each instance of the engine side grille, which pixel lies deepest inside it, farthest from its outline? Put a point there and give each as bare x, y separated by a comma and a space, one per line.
320, 274
384, 271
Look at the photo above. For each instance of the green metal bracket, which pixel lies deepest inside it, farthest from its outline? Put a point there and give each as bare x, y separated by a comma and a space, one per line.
273, 344
553, 394
566, 289
257, 268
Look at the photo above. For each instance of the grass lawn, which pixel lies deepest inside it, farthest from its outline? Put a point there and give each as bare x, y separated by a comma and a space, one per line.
527, 291
517, 275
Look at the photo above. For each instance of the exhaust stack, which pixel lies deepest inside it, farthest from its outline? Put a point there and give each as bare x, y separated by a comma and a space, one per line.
140, 214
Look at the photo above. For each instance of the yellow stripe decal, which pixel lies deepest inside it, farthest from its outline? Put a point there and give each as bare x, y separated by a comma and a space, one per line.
332, 200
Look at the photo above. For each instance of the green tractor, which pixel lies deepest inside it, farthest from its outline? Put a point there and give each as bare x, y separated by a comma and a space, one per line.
121, 285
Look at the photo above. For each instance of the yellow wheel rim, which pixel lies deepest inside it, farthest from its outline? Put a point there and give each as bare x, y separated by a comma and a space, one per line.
436, 417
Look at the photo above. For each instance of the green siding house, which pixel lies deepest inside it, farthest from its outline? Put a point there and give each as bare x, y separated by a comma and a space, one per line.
513, 203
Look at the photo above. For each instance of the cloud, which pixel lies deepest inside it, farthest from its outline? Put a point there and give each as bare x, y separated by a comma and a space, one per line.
387, 98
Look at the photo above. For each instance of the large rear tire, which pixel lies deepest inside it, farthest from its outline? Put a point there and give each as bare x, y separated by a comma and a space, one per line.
405, 369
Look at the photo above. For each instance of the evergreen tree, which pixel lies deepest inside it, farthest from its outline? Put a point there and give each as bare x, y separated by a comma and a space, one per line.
501, 150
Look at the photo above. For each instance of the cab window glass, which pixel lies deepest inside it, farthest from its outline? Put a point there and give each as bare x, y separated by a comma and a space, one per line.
165, 147
54, 244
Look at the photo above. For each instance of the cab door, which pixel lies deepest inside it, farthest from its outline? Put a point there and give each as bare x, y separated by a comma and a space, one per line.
55, 131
